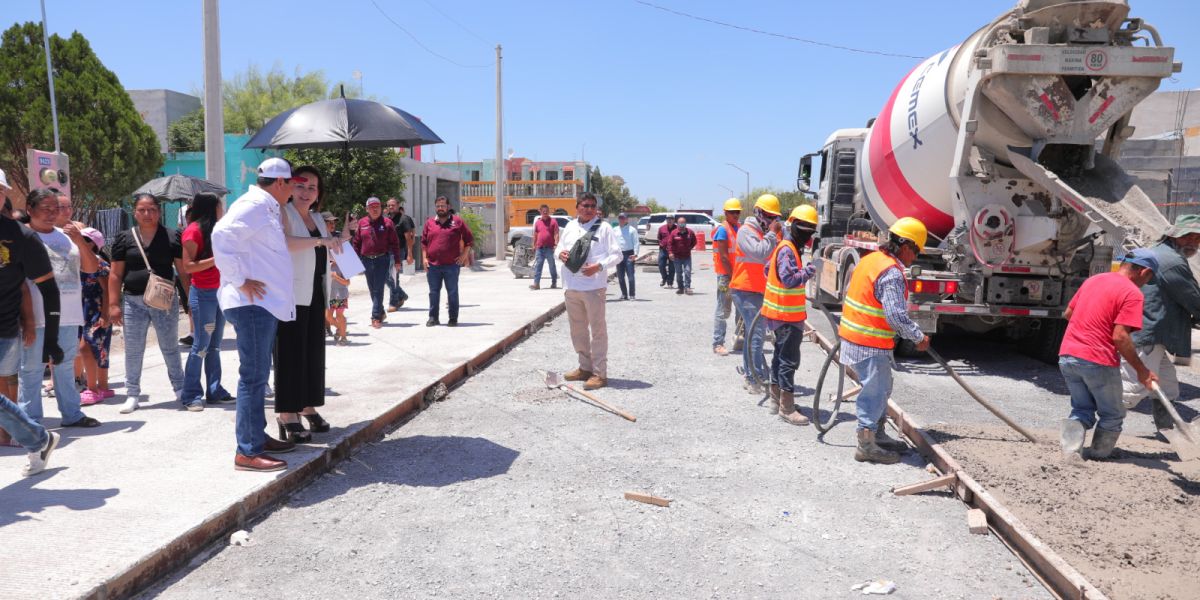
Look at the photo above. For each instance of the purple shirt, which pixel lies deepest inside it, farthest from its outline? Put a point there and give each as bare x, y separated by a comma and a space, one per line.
443, 242
787, 265
664, 236
372, 238
544, 232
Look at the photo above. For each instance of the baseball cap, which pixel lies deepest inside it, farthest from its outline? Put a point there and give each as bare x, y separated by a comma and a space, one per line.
1184, 225
4, 180
1142, 257
622, 216
275, 168
328, 216
373, 200
94, 234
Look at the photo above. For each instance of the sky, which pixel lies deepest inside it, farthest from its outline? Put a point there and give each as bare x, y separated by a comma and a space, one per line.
663, 100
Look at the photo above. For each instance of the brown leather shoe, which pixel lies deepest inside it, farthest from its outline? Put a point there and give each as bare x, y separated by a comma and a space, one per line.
262, 462
275, 446
595, 382
577, 375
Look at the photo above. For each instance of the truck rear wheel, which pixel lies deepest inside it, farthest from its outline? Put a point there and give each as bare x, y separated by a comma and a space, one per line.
1042, 344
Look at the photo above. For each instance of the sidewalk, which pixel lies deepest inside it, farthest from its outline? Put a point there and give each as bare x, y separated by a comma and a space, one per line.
124, 503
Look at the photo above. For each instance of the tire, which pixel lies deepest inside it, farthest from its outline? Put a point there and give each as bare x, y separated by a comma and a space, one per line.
837, 386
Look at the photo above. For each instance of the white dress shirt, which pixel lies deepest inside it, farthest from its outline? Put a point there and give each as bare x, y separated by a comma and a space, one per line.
605, 251
248, 243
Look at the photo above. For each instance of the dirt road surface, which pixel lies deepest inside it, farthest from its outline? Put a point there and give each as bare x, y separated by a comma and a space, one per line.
507, 489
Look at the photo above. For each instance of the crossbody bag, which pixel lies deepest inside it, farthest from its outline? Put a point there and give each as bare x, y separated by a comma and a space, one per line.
160, 292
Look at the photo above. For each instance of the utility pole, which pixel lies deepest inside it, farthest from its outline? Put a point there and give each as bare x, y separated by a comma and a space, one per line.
747, 179
728, 189
214, 110
501, 175
50, 76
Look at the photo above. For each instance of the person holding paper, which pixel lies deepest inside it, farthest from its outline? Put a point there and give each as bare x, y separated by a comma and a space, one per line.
300, 344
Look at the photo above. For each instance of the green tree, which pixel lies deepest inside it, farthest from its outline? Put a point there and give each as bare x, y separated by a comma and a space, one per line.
253, 97
370, 172
187, 134
788, 199
655, 207
111, 149
613, 190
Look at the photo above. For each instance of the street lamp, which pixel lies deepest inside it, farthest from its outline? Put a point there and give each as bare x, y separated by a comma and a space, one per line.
747, 179
728, 189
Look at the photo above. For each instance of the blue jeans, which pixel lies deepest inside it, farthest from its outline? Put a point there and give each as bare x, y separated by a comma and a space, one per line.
255, 329
666, 268
206, 348
786, 359
875, 374
1095, 390
377, 272
683, 273
396, 294
544, 255
724, 309
748, 304
625, 270
29, 396
28, 433
437, 275
138, 318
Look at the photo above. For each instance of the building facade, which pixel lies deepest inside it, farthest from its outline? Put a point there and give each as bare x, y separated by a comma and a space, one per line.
529, 185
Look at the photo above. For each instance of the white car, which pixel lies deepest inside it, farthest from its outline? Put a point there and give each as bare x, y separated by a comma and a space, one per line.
698, 222
515, 233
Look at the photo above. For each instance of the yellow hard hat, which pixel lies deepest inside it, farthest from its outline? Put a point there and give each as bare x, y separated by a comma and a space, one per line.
768, 203
910, 229
733, 204
805, 213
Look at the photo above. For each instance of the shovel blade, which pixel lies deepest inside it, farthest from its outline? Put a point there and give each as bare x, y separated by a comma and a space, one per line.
553, 379
1186, 448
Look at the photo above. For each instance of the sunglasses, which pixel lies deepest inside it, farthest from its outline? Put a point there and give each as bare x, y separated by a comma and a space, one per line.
587, 206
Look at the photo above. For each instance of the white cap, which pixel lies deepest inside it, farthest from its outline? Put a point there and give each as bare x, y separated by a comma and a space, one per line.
275, 168
372, 200
4, 180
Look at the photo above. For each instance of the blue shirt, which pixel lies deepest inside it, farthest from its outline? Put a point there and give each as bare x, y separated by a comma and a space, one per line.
629, 238
721, 235
787, 265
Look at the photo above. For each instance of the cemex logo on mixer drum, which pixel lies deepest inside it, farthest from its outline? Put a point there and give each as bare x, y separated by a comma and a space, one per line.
913, 128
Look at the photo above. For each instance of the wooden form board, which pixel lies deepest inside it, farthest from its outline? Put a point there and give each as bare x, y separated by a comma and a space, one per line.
1063, 580
647, 498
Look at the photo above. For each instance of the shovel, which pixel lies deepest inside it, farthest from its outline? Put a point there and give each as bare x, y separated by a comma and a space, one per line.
1184, 438
555, 381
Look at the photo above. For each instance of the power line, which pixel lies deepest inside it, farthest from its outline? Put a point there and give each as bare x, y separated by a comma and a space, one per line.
423, 46
772, 34
455, 21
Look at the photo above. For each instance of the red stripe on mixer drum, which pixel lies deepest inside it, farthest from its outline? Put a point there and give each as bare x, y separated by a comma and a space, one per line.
895, 190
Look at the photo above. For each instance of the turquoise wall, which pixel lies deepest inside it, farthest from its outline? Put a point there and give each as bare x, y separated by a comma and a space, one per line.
240, 165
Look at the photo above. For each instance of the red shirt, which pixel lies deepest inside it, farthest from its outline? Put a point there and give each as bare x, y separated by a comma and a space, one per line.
373, 238
210, 278
544, 231
681, 242
664, 235
1102, 302
443, 242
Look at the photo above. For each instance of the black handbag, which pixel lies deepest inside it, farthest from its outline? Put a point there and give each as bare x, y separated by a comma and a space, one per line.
583, 246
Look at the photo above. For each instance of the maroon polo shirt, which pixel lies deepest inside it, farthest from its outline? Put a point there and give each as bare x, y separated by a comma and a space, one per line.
682, 241
544, 232
443, 242
664, 235
372, 238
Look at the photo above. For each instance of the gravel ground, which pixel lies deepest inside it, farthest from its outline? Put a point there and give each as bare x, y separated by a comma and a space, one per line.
507, 489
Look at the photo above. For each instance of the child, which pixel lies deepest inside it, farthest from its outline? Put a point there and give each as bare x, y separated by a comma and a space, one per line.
97, 333
339, 299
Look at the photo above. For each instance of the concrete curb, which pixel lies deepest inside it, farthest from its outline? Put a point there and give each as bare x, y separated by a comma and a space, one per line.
178, 552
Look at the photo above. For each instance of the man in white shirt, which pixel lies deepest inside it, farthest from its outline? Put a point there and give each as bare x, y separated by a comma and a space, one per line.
255, 294
586, 288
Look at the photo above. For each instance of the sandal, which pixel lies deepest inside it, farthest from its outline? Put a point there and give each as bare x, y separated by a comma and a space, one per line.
88, 398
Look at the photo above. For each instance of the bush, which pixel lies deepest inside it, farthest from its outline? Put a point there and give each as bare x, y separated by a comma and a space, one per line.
479, 230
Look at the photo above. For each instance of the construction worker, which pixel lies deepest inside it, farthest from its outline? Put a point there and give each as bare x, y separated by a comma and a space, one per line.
874, 313
756, 239
724, 238
784, 310
1171, 305
1101, 319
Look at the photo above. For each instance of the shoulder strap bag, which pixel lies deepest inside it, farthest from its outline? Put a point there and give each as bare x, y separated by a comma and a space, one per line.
583, 246
160, 292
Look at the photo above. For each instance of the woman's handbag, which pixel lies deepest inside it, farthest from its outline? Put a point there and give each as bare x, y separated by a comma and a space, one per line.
583, 246
160, 293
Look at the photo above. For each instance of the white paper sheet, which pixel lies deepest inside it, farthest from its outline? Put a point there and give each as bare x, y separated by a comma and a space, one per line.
348, 261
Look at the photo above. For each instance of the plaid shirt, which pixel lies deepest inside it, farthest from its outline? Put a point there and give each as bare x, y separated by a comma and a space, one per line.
889, 288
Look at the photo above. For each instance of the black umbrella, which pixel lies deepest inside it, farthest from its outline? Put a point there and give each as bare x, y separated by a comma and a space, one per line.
179, 188
343, 123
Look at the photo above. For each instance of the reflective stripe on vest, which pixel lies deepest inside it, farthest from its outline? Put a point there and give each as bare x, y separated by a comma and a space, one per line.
863, 319
747, 276
731, 247
780, 302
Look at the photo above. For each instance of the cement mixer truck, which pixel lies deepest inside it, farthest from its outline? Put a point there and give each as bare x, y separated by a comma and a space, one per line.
1005, 147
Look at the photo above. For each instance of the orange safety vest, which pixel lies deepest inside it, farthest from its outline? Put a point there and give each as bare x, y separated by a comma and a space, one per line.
731, 241
747, 276
863, 320
780, 302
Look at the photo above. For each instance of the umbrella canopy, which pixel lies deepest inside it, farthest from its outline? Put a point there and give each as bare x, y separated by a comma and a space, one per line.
343, 123
179, 188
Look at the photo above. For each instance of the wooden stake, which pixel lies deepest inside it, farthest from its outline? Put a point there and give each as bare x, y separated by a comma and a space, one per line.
647, 498
977, 521
925, 486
